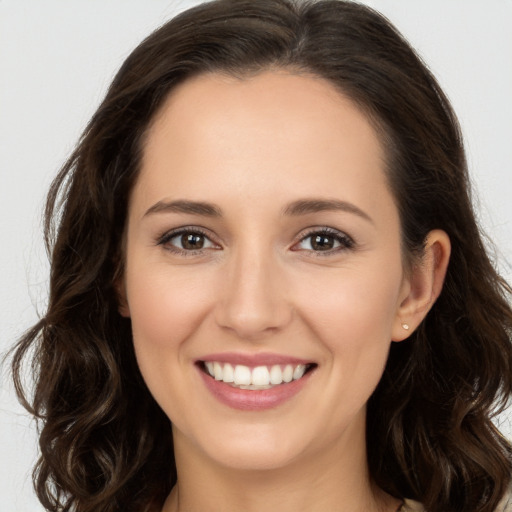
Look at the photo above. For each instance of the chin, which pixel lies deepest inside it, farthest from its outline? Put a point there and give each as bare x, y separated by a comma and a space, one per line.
255, 458
257, 448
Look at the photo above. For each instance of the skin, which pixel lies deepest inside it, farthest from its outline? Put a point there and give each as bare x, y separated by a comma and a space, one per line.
252, 147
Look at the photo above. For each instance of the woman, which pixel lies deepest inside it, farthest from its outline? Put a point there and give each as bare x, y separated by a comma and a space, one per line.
268, 287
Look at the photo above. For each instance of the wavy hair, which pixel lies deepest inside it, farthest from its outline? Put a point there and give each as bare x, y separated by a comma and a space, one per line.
105, 444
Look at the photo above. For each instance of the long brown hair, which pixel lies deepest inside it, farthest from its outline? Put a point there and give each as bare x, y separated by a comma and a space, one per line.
105, 444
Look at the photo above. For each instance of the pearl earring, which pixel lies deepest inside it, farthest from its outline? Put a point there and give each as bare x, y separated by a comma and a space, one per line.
405, 326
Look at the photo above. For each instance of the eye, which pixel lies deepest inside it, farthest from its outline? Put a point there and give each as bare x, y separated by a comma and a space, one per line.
186, 241
325, 240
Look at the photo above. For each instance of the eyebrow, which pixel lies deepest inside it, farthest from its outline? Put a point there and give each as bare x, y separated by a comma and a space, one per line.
306, 206
183, 206
294, 209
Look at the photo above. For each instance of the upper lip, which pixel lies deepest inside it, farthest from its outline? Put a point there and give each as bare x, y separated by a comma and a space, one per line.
253, 360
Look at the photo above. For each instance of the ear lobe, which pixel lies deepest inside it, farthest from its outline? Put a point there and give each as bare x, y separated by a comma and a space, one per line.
424, 284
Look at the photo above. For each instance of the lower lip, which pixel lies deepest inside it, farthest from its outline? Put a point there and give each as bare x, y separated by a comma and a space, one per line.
253, 400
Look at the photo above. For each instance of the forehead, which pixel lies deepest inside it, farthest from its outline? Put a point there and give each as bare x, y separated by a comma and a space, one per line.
273, 101
271, 130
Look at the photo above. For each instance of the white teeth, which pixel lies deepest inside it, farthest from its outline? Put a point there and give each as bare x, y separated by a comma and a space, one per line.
260, 377
299, 371
228, 373
276, 375
242, 375
288, 373
209, 367
217, 371
253, 386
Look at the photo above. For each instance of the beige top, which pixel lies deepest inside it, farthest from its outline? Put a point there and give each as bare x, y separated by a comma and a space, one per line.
411, 506
505, 504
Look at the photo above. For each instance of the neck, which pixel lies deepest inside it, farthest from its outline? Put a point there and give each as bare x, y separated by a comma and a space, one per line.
337, 480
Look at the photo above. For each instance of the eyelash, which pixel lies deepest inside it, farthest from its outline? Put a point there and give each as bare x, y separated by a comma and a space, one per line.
345, 242
167, 237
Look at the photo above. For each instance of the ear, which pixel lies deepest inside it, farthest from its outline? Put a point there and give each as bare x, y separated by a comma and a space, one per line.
423, 285
122, 302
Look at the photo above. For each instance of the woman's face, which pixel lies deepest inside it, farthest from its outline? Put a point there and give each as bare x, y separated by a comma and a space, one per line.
263, 243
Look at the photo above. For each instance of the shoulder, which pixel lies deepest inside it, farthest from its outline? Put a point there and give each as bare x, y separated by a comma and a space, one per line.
506, 502
412, 506
505, 505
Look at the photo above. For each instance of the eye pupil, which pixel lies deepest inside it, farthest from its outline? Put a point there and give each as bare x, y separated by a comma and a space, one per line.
192, 241
322, 242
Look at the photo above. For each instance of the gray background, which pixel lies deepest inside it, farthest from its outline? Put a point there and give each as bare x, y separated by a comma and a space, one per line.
58, 56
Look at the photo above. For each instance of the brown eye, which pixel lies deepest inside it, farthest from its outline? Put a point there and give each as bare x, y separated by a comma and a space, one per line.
322, 242
186, 241
325, 240
192, 241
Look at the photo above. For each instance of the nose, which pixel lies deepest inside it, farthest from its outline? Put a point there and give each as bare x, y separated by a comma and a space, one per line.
253, 301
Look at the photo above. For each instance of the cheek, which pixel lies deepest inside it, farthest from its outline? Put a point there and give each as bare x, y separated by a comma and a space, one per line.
350, 305
352, 317
165, 309
164, 306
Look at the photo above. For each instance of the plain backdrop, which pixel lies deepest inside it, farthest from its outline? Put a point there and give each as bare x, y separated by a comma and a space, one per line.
58, 56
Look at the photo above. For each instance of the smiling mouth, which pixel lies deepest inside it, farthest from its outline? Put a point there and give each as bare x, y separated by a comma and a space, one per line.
256, 378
